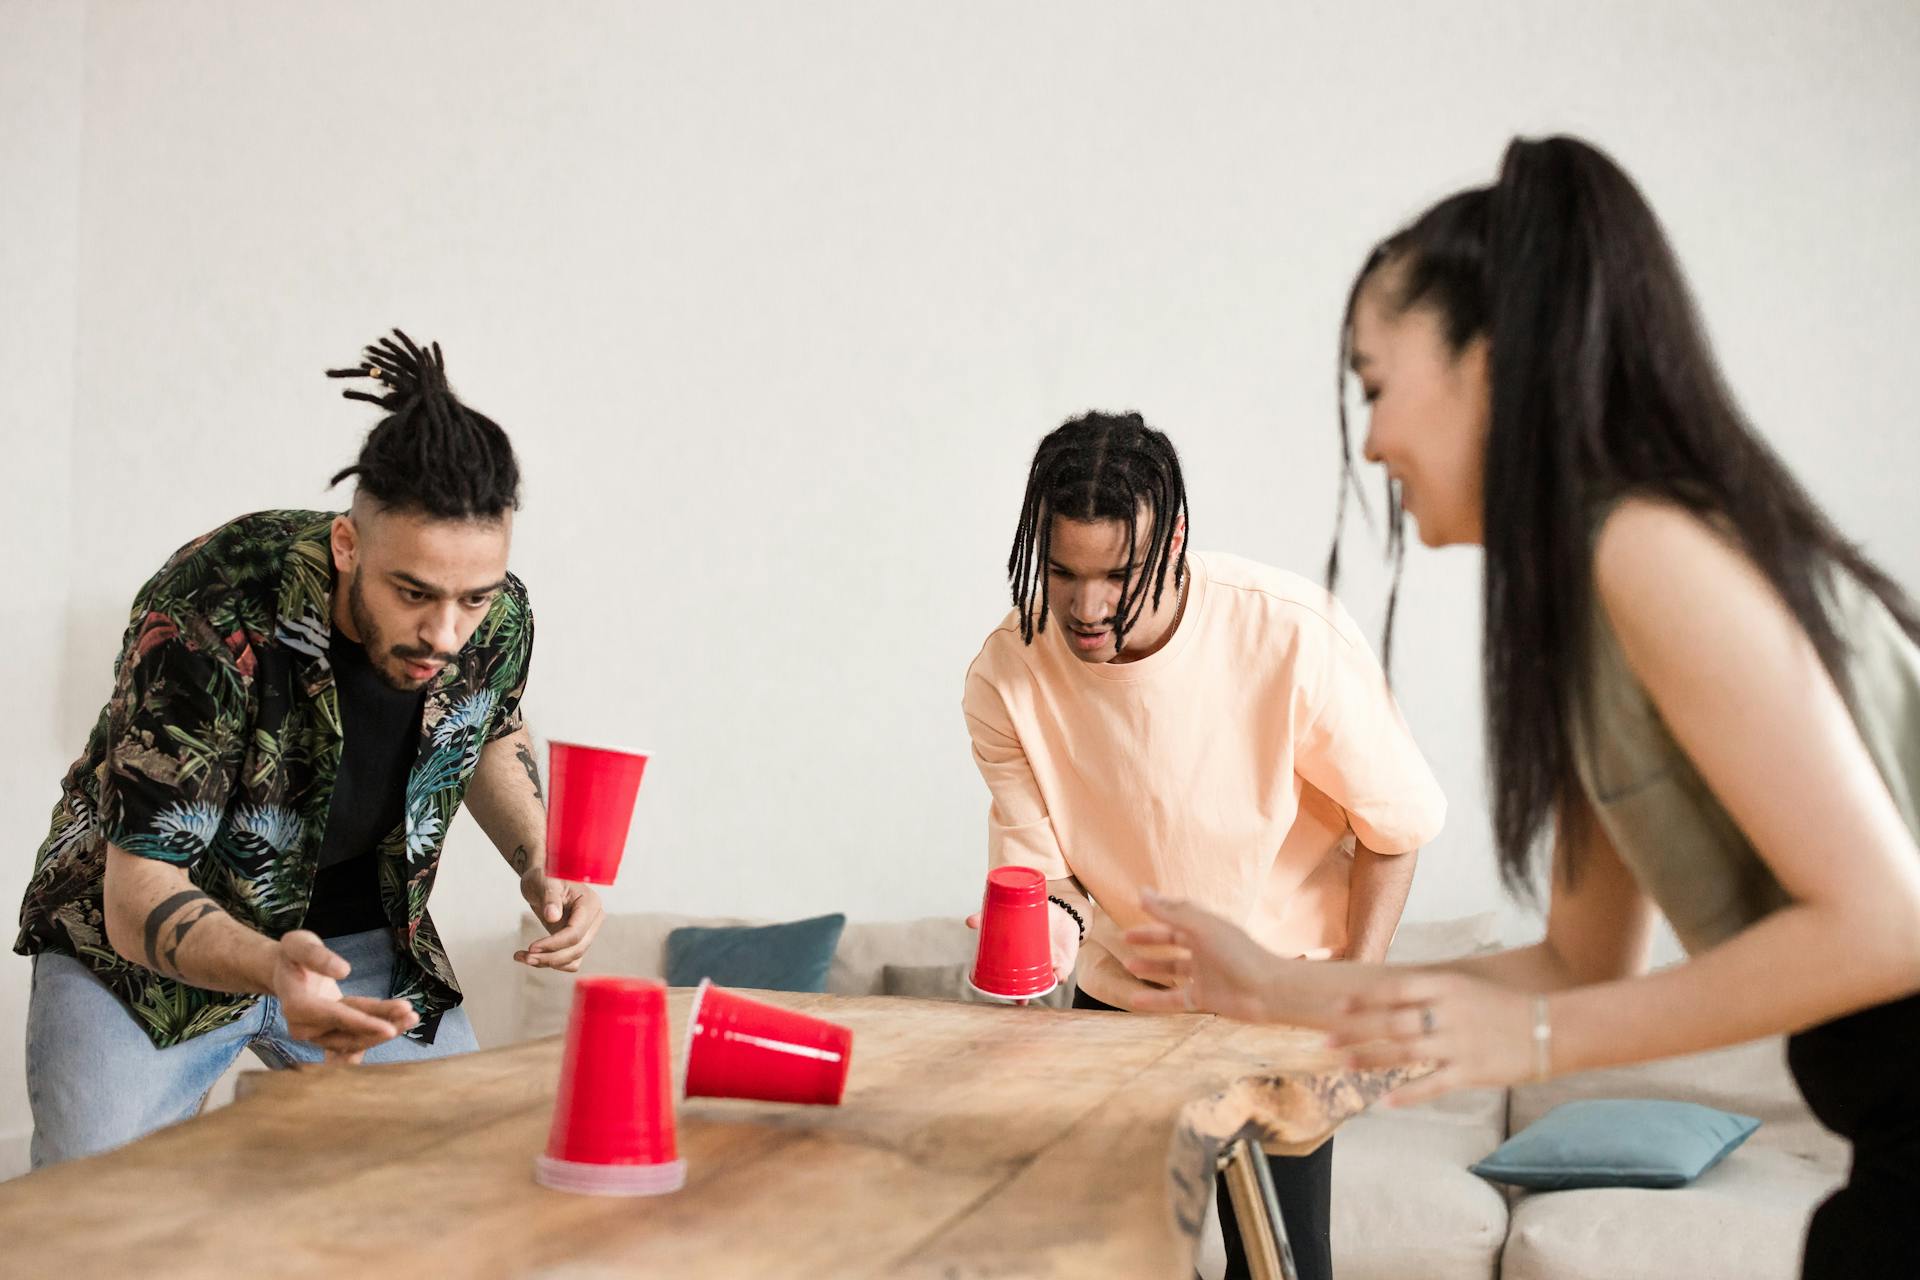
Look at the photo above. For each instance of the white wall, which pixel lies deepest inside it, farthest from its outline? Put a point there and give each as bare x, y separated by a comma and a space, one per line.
775, 301
40, 113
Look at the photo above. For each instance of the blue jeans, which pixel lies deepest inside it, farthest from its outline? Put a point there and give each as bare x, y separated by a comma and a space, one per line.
95, 1081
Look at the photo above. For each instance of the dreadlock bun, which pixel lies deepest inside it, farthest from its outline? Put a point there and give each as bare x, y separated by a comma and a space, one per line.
430, 454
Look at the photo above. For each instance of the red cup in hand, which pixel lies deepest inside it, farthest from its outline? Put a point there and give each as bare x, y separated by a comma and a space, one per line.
1014, 960
590, 794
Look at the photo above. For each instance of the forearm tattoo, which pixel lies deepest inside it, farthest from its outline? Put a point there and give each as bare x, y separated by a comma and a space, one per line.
533, 771
192, 906
520, 859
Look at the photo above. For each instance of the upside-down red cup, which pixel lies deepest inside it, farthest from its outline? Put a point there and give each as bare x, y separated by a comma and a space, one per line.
590, 793
1014, 960
742, 1048
613, 1129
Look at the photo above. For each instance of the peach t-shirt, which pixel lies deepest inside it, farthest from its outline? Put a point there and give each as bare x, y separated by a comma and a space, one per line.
1234, 767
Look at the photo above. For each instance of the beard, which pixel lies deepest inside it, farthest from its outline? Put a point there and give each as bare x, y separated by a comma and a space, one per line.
380, 654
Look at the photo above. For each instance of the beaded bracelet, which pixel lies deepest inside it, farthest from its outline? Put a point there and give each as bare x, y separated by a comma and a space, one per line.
1079, 922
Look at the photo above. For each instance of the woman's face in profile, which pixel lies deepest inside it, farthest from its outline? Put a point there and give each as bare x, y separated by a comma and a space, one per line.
1428, 411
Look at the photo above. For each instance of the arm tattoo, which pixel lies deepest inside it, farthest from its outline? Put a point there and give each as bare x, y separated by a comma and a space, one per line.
159, 915
172, 958
533, 771
519, 859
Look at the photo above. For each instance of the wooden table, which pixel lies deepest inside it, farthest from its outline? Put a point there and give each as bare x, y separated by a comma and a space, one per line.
975, 1141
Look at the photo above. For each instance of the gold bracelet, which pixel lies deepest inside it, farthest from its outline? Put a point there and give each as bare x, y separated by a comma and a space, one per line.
1542, 1041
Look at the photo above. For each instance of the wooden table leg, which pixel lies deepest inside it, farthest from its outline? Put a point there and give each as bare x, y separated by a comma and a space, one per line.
1262, 1230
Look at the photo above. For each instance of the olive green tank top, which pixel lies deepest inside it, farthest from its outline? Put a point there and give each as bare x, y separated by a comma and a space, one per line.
1669, 828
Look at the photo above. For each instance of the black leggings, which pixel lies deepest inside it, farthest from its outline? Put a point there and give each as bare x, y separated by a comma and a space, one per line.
1858, 1074
1304, 1185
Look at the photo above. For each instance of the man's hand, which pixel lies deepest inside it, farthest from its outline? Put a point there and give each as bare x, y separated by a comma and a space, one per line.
306, 981
572, 915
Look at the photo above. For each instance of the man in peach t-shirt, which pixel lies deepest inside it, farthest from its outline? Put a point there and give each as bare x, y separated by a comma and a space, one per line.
1202, 725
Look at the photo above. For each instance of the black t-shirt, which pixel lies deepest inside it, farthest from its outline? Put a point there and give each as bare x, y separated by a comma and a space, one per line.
382, 726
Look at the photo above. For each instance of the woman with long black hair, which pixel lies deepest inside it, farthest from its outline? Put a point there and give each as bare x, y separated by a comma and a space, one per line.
1699, 696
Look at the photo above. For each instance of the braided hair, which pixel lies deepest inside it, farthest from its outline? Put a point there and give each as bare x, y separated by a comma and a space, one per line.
430, 454
1100, 467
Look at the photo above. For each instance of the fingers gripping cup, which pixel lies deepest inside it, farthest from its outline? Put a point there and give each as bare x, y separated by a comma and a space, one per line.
1014, 960
741, 1048
613, 1129
590, 794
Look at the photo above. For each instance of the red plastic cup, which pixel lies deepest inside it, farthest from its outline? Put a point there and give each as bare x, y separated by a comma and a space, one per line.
590, 793
741, 1048
613, 1130
1014, 960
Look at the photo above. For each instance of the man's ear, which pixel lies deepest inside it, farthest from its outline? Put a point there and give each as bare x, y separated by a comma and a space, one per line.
346, 544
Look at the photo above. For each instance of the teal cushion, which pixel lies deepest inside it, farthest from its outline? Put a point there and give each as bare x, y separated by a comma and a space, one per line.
773, 957
1640, 1142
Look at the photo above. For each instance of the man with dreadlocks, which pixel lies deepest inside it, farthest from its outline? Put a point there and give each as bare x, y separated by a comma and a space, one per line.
1211, 728
242, 856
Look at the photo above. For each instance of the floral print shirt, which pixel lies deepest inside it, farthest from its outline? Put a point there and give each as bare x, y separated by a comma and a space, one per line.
217, 753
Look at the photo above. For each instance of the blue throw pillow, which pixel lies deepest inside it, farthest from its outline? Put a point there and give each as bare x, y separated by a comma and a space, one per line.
774, 957
1639, 1142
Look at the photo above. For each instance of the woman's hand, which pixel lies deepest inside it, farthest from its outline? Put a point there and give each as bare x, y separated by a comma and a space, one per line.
1477, 1032
1202, 963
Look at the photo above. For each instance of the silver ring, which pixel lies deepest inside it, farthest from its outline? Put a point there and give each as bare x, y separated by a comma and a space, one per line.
1426, 1019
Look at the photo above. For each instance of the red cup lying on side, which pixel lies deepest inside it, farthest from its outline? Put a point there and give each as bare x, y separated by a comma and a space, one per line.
590, 794
742, 1048
613, 1127
1014, 960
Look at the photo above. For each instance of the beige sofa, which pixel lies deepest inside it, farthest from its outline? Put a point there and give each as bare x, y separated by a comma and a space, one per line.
1405, 1205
